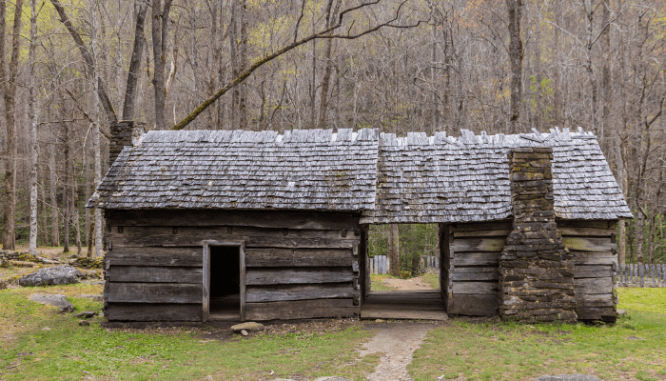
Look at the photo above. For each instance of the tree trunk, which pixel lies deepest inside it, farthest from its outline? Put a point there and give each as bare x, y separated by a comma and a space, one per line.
159, 31
135, 62
67, 210
394, 249
557, 75
235, 69
242, 100
538, 76
34, 145
9, 82
515, 8
75, 211
53, 189
605, 71
96, 132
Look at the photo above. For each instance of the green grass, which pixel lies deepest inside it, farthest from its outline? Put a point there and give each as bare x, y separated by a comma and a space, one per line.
634, 348
67, 351
377, 282
432, 279
53, 346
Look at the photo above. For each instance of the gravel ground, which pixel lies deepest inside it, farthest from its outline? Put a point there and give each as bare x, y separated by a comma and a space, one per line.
397, 342
407, 284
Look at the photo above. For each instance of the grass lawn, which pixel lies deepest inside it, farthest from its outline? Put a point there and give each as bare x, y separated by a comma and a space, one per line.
36, 343
632, 349
39, 344
432, 279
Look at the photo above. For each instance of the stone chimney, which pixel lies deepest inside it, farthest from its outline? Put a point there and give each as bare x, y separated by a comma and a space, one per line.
123, 133
536, 269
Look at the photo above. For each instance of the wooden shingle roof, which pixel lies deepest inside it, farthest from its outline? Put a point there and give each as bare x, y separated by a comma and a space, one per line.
300, 170
413, 179
425, 179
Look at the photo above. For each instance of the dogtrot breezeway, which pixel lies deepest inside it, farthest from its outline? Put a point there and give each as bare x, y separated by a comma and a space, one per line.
404, 304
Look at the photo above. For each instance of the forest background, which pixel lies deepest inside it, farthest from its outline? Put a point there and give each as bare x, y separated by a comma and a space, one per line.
69, 68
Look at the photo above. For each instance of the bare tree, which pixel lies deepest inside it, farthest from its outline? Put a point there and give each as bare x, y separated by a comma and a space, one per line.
32, 110
160, 33
11, 152
515, 9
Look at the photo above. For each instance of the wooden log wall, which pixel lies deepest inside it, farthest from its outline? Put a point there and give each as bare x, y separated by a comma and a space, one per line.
298, 265
595, 256
470, 261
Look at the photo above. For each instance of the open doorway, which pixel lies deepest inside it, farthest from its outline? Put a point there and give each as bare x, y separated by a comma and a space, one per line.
224, 283
403, 273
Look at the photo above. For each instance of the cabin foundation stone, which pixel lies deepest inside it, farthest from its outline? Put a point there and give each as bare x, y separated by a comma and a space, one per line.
536, 269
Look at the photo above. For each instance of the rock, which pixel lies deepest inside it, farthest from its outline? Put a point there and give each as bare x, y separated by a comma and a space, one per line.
51, 276
244, 332
3, 284
332, 378
208, 378
97, 298
568, 377
84, 323
86, 314
73, 256
621, 313
248, 326
46, 329
380, 321
55, 300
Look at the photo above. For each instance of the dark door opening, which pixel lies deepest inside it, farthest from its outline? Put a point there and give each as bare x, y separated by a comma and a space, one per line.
225, 283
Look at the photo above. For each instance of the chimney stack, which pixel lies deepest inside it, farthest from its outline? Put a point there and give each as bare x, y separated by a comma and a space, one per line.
124, 133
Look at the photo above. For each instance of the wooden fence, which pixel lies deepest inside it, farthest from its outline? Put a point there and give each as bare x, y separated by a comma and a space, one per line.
380, 263
644, 275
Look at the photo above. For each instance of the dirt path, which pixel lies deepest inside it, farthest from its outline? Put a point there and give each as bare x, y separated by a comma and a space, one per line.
407, 284
397, 342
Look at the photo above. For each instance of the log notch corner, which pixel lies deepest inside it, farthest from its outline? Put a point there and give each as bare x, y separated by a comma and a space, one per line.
124, 133
536, 269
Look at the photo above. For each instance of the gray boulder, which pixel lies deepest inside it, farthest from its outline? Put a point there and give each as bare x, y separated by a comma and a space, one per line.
332, 378
51, 276
56, 300
569, 377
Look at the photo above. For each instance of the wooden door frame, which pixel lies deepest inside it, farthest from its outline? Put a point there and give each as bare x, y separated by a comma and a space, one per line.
206, 275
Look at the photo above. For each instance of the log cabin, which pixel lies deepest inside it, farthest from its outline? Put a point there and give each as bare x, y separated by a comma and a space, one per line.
244, 225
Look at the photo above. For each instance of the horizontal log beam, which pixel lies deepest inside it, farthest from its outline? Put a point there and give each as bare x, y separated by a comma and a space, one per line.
474, 245
593, 286
475, 288
153, 274
253, 237
480, 226
476, 259
595, 258
152, 312
156, 256
273, 276
260, 219
593, 271
260, 294
475, 274
474, 304
301, 309
589, 244
153, 293
587, 232
297, 257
